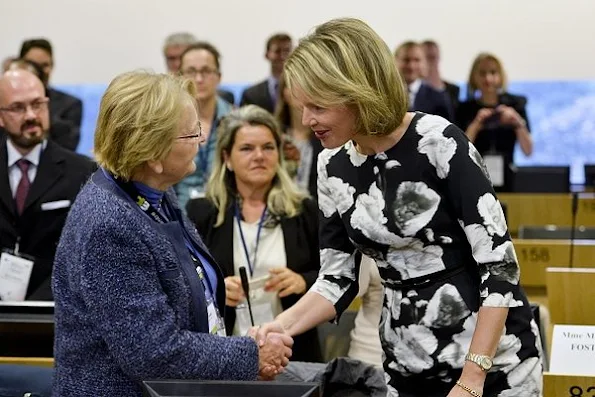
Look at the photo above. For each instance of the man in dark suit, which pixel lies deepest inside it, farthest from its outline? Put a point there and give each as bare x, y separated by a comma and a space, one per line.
410, 61
39, 179
264, 94
63, 107
433, 78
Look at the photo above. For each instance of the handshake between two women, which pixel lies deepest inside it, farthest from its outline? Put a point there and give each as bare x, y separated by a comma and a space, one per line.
274, 349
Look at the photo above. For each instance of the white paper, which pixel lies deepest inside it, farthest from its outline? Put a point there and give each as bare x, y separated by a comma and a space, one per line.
495, 166
573, 350
261, 303
14, 277
54, 205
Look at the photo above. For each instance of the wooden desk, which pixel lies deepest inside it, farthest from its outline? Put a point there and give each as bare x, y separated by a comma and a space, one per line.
536, 255
541, 209
571, 295
555, 385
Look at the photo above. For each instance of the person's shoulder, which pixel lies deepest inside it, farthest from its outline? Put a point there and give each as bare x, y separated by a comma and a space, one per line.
255, 87
57, 95
513, 100
309, 205
73, 158
201, 208
425, 123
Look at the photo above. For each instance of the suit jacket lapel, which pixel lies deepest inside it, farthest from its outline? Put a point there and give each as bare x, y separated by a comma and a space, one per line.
50, 169
5, 191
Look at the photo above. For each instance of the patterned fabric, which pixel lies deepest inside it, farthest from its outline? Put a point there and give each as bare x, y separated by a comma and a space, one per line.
193, 185
424, 206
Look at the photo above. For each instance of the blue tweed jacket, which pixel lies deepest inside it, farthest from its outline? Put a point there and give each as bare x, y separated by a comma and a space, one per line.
129, 305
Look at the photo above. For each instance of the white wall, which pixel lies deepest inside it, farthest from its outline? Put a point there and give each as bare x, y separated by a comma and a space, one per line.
96, 39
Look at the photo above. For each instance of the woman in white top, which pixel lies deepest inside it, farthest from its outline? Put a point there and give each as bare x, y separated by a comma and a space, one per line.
254, 216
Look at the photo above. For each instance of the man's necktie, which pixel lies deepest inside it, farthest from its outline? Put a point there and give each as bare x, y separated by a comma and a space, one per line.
23, 186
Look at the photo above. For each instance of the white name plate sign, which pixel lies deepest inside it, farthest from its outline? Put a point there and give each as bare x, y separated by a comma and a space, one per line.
573, 350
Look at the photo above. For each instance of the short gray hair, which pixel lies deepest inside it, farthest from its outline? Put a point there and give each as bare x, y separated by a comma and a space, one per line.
180, 38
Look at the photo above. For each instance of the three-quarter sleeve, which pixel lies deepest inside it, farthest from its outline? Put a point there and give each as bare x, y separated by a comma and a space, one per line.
337, 278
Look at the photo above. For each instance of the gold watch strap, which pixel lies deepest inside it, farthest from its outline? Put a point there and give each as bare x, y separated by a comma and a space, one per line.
468, 389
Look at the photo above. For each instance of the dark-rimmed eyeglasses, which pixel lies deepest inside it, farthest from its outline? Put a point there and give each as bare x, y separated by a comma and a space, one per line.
192, 136
20, 108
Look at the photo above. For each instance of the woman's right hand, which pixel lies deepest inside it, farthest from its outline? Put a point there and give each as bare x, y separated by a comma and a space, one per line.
234, 293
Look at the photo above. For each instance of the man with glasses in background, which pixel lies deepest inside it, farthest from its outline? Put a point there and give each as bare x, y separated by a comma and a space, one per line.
39, 181
63, 106
174, 46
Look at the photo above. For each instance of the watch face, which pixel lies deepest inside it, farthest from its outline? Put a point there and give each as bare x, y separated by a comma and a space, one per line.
486, 362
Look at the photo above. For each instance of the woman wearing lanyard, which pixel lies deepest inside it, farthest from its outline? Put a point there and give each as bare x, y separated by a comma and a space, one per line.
495, 120
137, 294
255, 217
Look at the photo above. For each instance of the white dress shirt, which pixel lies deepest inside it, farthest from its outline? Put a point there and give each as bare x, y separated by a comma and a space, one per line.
14, 172
413, 90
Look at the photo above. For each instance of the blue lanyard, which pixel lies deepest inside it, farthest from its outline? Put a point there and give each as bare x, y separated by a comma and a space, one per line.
238, 216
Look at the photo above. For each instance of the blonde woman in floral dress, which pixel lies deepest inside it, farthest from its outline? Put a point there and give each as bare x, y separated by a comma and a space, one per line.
410, 191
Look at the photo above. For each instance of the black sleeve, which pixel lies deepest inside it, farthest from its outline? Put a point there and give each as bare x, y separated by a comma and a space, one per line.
311, 219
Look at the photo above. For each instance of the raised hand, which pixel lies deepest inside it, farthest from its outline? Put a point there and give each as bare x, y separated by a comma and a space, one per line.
510, 116
285, 281
482, 115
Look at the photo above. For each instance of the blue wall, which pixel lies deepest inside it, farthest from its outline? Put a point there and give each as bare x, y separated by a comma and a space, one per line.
561, 114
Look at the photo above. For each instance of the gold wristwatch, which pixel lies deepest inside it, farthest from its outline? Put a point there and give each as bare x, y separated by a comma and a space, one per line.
484, 362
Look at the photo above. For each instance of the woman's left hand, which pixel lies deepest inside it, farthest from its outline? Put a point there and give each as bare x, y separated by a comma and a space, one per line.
285, 281
509, 116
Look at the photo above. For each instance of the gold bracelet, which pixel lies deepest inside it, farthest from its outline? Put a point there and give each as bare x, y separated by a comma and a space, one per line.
468, 389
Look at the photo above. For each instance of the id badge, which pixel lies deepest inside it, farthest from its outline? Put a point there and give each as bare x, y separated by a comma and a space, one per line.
15, 272
495, 165
216, 325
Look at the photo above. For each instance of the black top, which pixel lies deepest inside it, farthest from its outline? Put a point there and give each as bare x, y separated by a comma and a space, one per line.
301, 247
494, 137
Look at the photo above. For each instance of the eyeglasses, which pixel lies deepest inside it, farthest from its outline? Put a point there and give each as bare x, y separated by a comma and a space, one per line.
204, 73
20, 108
191, 136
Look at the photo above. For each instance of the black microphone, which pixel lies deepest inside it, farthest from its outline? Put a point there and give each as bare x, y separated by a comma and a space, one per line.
573, 227
246, 287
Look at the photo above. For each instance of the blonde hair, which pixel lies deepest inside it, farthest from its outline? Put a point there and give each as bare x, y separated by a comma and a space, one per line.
344, 62
484, 56
284, 198
138, 120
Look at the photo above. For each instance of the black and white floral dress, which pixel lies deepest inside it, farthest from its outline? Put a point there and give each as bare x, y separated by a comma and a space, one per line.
426, 211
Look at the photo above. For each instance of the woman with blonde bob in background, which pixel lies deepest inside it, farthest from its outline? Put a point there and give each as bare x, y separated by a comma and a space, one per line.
411, 192
137, 294
254, 216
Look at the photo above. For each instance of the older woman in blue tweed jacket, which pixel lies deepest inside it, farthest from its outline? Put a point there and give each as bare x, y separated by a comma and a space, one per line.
138, 295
